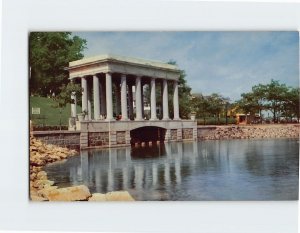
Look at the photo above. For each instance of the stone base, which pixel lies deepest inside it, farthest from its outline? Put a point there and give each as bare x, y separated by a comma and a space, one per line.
118, 133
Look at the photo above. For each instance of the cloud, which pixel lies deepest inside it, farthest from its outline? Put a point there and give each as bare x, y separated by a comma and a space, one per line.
228, 63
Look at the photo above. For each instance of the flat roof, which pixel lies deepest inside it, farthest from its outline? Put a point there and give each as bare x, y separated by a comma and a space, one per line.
123, 59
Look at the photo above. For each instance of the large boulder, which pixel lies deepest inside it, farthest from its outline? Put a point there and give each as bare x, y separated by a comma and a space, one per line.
76, 193
119, 196
98, 197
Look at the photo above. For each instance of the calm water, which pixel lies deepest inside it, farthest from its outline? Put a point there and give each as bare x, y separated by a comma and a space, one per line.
207, 170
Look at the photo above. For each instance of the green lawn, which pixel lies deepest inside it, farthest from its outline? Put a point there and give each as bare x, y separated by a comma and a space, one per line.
49, 115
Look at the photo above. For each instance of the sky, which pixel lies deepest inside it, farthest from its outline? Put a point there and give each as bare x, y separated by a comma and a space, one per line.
228, 63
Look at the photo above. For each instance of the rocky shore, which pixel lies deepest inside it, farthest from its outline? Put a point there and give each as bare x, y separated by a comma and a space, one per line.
42, 189
252, 131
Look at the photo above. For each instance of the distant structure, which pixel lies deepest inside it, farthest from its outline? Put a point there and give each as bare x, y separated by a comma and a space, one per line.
113, 102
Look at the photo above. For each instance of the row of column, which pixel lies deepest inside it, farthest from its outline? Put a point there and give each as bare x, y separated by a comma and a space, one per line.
86, 103
170, 164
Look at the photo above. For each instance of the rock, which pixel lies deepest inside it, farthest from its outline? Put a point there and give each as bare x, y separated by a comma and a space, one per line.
98, 197
37, 198
45, 191
119, 196
32, 176
76, 193
42, 183
41, 175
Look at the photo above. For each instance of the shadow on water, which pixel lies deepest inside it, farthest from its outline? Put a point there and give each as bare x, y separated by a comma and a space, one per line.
206, 170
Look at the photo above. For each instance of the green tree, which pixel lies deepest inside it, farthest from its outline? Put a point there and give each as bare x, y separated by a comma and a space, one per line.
248, 103
291, 104
49, 54
64, 97
216, 104
65, 92
258, 97
275, 96
200, 105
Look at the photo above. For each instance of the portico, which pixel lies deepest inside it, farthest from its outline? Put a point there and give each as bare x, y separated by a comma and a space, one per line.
113, 91
122, 73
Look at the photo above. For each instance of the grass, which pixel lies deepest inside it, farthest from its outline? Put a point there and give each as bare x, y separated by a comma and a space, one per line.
49, 115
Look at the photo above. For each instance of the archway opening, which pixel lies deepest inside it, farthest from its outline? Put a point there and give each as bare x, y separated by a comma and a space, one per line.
147, 134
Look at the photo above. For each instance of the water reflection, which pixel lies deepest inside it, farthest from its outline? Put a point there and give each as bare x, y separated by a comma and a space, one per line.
207, 170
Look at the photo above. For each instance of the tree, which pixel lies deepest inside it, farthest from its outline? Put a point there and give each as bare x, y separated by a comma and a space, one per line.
49, 54
275, 95
291, 104
216, 104
259, 97
200, 105
248, 103
64, 96
65, 92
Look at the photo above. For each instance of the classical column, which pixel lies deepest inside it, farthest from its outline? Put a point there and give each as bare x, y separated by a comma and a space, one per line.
103, 97
176, 101
96, 98
89, 101
153, 100
109, 103
161, 98
84, 94
73, 102
142, 97
130, 101
73, 105
118, 98
165, 100
138, 98
124, 98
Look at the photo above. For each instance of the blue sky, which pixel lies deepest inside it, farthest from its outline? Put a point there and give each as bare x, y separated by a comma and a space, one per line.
228, 63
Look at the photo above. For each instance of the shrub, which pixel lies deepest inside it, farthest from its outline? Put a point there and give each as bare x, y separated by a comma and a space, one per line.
214, 121
49, 127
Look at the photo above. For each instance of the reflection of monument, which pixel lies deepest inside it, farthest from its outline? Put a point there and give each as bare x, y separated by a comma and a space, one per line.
108, 81
117, 168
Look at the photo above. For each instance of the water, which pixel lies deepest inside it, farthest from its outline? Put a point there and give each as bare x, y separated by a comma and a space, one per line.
206, 170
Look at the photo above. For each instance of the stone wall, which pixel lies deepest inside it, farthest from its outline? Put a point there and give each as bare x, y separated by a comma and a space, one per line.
98, 139
187, 133
121, 137
173, 134
203, 131
249, 131
69, 139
